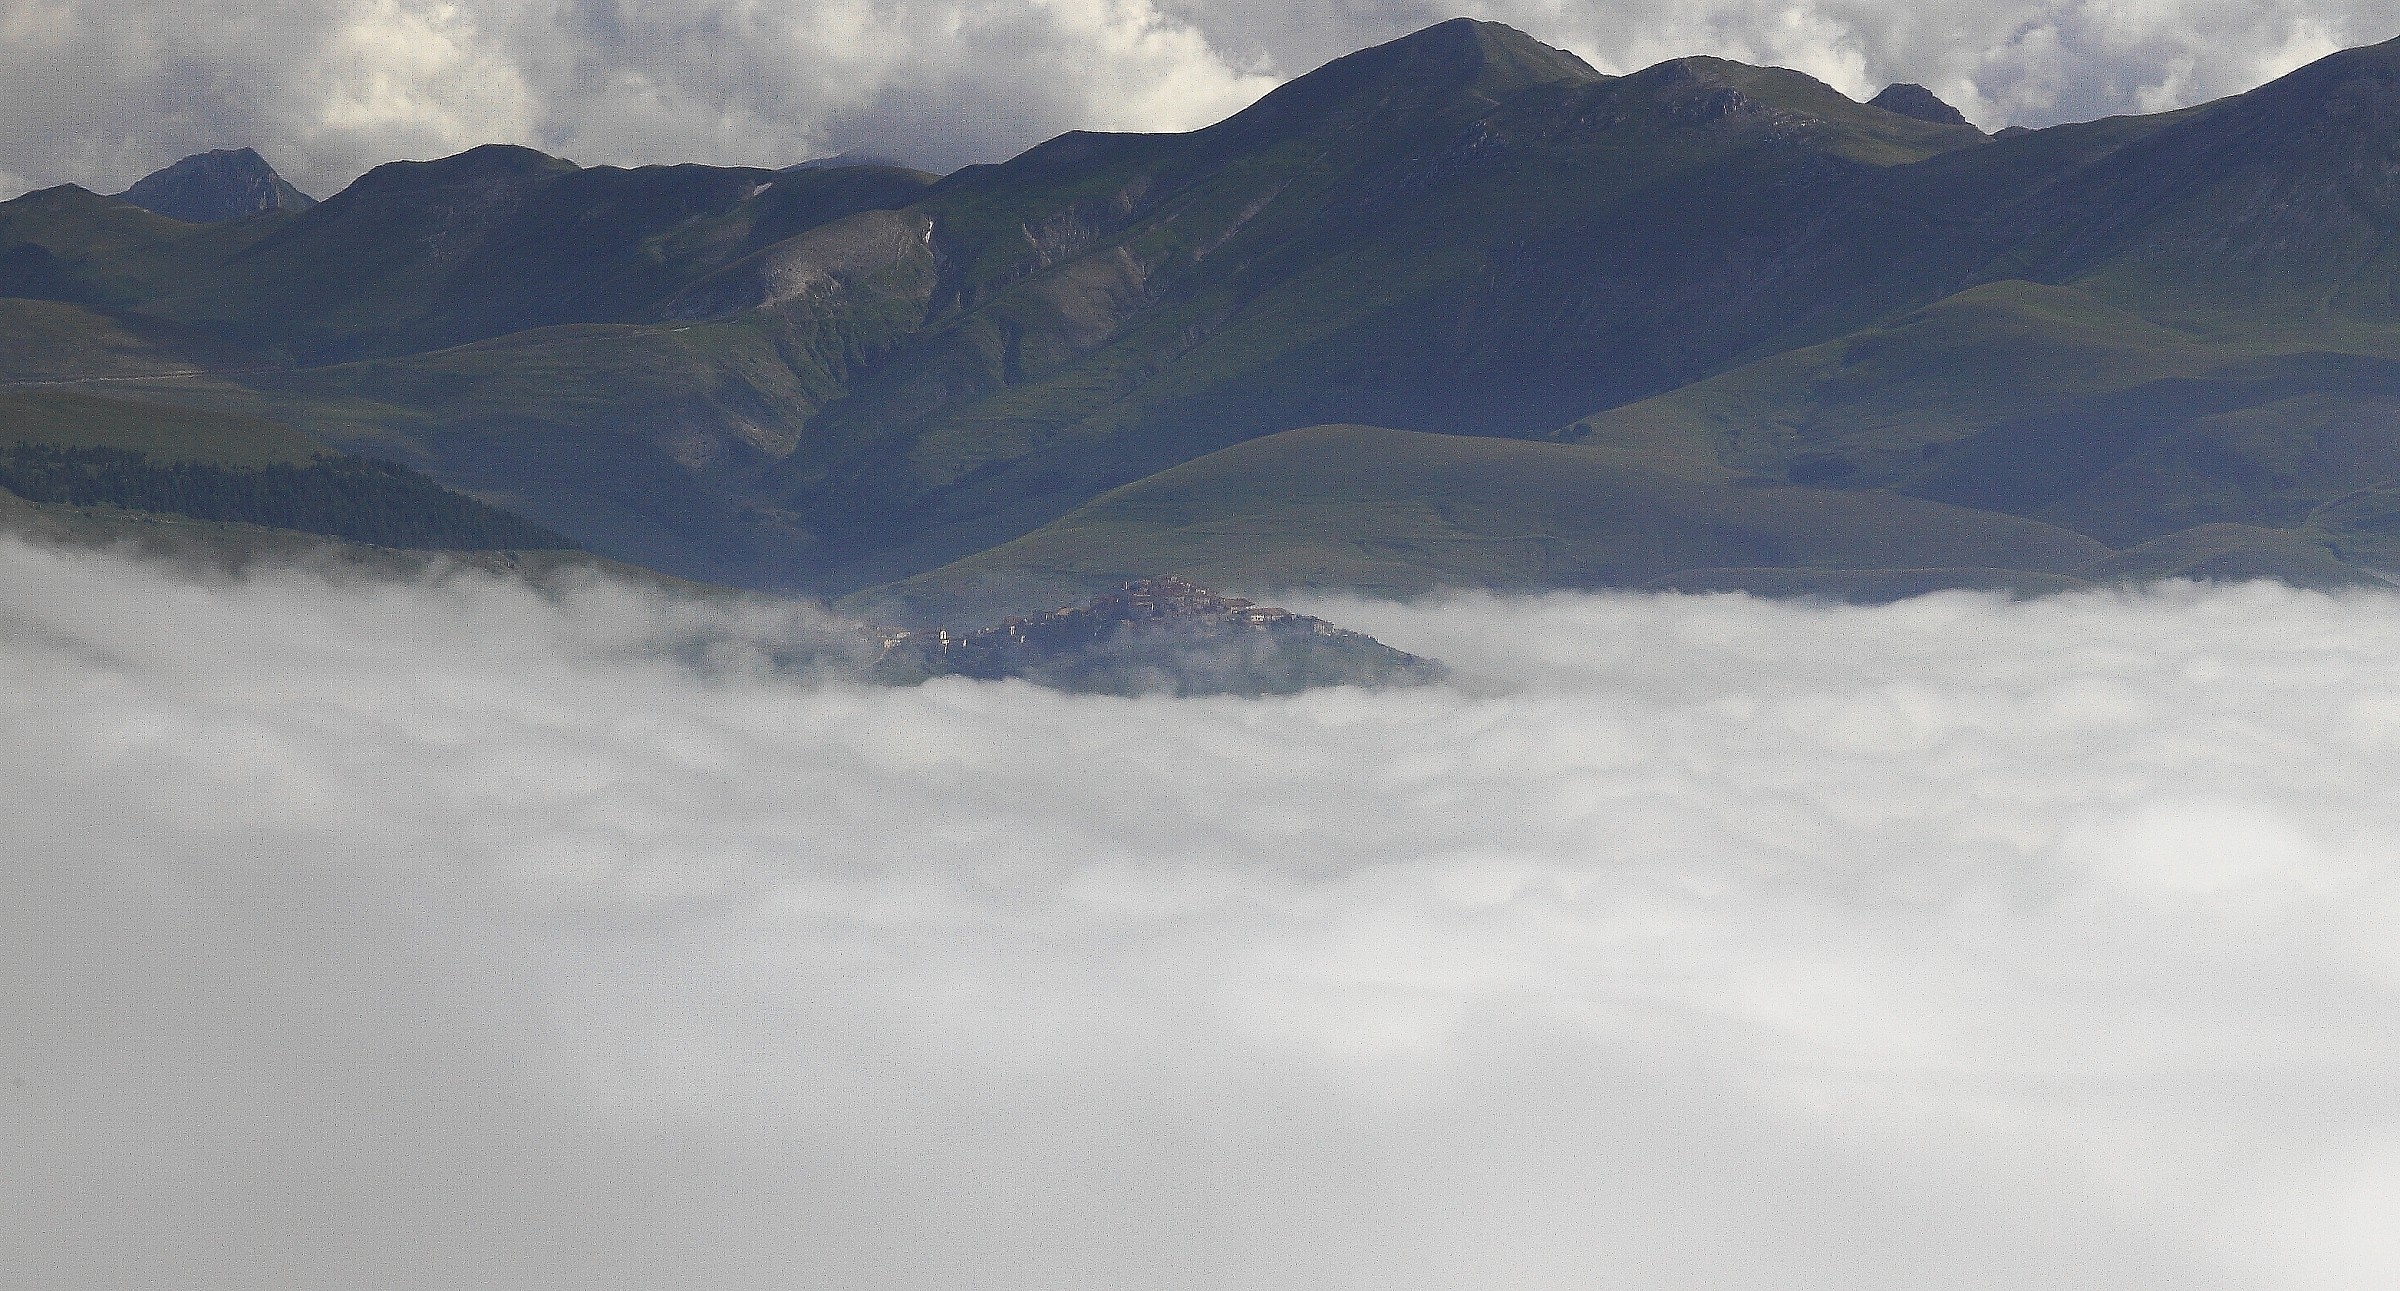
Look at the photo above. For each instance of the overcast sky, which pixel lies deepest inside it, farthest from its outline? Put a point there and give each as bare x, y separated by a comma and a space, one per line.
448, 937
99, 92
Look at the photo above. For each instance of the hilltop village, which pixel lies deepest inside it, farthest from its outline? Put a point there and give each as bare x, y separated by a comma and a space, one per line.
1155, 634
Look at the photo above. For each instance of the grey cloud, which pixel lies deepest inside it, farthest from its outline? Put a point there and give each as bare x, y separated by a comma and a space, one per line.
451, 931
100, 91
326, 88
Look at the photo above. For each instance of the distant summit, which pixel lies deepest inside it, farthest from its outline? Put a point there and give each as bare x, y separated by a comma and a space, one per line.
849, 158
1912, 100
212, 187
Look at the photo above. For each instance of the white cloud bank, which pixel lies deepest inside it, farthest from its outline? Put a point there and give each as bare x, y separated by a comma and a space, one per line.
447, 936
99, 92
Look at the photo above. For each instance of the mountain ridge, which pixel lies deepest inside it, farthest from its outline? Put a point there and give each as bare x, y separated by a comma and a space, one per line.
1720, 280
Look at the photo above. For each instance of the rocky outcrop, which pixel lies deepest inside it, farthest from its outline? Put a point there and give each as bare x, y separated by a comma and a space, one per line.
1917, 102
213, 187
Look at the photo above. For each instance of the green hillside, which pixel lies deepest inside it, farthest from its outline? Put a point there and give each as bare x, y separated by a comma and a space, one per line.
1399, 242
68, 244
421, 255
170, 433
1400, 512
1388, 239
53, 341
2044, 402
227, 547
65, 448
644, 441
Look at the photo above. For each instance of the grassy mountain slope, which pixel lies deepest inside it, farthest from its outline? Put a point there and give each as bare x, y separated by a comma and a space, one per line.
421, 255
218, 547
2044, 402
69, 244
63, 446
1425, 235
48, 341
646, 440
1402, 512
2279, 203
633, 435
2306, 557
1866, 408
424, 255
168, 433
630, 438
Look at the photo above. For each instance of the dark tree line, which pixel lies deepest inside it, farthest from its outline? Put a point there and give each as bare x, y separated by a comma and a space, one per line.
357, 498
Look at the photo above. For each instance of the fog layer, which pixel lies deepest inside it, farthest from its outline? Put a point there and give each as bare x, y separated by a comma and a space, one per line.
451, 935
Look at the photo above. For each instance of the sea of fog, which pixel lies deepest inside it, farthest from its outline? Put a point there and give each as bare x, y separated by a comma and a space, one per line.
448, 935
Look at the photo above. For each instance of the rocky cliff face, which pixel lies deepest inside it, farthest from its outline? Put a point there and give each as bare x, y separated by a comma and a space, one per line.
212, 187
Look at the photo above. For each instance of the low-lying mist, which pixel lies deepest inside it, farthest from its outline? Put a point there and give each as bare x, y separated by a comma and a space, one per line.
451, 934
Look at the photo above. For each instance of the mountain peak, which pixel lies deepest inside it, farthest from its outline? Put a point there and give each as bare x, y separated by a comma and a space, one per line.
850, 157
1463, 57
2359, 86
488, 167
1468, 53
1912, 100
1493, 45
210, 187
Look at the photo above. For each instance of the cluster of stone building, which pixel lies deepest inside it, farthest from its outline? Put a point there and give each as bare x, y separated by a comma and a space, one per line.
1163, 602
1155, 635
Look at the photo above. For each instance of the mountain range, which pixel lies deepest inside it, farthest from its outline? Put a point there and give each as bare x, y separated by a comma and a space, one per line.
1457, 310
